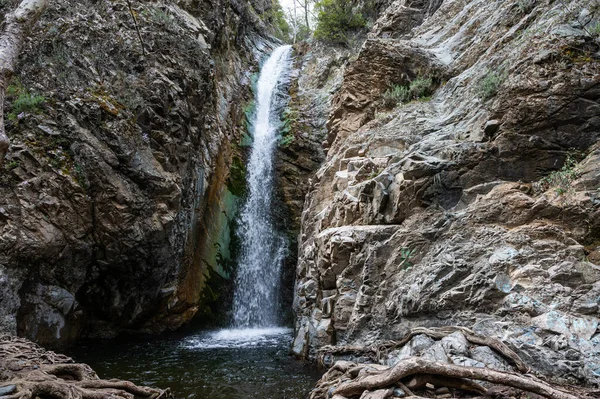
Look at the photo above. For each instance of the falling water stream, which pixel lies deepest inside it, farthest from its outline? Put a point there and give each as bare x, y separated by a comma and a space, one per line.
251, 359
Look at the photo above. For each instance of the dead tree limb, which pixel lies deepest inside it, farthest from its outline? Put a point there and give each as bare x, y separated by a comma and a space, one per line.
16, 27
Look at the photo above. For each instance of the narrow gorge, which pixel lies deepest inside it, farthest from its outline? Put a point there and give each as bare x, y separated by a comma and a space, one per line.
342, 199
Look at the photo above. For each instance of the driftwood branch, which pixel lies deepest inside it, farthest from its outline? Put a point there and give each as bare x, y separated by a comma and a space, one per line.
16, 27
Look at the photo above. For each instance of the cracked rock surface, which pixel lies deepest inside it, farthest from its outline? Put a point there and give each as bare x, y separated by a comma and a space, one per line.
453, 210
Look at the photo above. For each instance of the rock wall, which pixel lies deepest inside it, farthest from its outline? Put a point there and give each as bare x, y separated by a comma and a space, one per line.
476, 207
114, 197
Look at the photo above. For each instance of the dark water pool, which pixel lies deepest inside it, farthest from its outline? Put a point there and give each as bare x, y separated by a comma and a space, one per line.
226, 364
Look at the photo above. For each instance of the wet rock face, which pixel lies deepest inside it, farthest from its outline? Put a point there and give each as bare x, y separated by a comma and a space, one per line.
450, 211
112, 180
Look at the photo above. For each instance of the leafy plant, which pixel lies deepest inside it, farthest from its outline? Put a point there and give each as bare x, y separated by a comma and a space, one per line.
25, 102
290, 121
525, 6
405, 255
12, 165
396, 95
562, 179
489, 86
335, 18
421, 87
418, 89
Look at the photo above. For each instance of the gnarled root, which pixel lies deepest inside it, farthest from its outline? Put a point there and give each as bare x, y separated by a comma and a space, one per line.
419, 366
36, 373
378, 352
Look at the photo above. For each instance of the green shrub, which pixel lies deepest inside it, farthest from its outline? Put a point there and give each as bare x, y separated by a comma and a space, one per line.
335, 18
25, 102
488, 87
525, 6
289, 125
421, 87
396, 95
561, 180
418, 89
406, 254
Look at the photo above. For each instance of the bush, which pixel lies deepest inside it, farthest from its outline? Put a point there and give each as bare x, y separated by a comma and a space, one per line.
525, 6
335, 18
560, 180
25, 102
419, 88
488, 87
396, 95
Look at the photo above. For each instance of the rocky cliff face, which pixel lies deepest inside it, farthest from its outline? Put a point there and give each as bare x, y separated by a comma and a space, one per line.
476, 207
114, 198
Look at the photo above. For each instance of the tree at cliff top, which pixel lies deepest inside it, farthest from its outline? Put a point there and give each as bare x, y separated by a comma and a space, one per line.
335, 18
16, 26
277, 19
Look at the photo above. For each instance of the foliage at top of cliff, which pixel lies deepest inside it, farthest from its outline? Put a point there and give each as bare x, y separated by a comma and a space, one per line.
275, 18
336, 18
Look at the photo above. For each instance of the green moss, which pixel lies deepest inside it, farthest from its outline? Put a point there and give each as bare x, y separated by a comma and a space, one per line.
289, 126
236, 183
489, 85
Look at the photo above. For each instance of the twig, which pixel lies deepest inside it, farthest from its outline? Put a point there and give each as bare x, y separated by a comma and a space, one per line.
137, 29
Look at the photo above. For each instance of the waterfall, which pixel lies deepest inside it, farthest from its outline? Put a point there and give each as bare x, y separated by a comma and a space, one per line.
255, 301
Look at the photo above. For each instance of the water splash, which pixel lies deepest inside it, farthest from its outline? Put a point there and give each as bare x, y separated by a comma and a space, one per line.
263, 249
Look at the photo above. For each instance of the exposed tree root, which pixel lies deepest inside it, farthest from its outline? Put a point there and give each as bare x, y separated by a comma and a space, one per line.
419, 366
346, 380
37, 373
377, 352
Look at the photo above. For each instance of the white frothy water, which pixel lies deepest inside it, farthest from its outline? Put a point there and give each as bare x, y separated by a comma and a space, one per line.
263, 250
239, 338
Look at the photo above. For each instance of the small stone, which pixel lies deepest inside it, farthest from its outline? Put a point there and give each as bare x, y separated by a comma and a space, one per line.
398, 393
442, 390
429, 386
7, 390
446, 395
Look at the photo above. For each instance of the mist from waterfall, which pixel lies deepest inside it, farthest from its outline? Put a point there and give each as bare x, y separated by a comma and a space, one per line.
263, 249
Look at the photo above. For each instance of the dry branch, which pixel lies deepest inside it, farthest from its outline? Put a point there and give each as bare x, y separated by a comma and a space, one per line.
16, 26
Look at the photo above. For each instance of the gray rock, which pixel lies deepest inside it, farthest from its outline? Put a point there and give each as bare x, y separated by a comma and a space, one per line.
455, 344
436, 353
489, 358
7, 390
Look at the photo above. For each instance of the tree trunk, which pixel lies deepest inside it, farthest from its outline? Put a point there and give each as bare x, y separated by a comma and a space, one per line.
306, 4
16, 26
